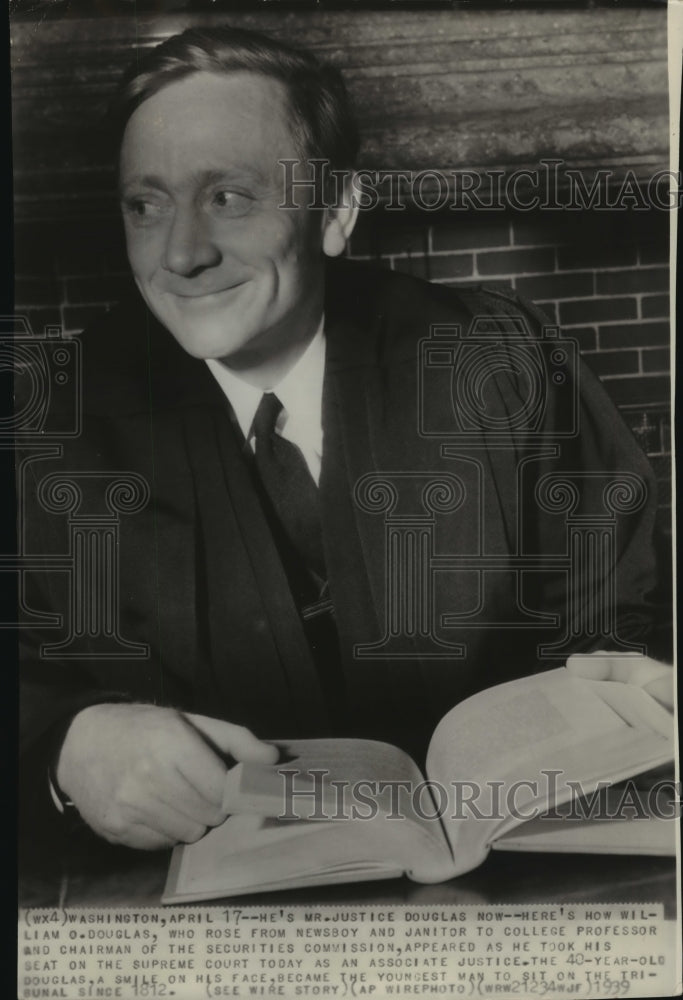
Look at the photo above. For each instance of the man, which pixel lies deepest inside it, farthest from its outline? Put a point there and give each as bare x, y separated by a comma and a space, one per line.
257, 385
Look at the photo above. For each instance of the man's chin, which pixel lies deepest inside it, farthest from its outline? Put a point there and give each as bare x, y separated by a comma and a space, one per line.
200, 337
205, 347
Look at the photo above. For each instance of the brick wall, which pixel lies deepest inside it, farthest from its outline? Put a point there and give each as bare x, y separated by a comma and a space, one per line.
604, 277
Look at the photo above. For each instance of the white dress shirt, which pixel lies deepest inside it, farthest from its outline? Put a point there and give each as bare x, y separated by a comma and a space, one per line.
301, 395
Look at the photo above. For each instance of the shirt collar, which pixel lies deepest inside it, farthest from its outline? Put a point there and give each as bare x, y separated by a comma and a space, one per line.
300, 391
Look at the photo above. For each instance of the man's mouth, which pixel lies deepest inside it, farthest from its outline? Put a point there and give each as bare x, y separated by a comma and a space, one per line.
205, 296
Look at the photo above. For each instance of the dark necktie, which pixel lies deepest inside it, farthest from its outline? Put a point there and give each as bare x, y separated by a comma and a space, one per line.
289, 485
293, 497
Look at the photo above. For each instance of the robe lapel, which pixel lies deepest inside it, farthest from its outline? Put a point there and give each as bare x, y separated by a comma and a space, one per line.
386, 695
371, 426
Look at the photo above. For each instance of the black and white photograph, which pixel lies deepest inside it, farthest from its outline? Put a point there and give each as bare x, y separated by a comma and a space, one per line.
344, 564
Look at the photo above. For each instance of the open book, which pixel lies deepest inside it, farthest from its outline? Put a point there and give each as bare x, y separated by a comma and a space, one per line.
505, 769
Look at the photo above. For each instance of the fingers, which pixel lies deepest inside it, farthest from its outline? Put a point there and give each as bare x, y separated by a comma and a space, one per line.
662, 690
183, 784
199, 798
201, 775
655, 678
138, 836
164, 821
597, 666
137, 817
143, 838
172, 788
237, 741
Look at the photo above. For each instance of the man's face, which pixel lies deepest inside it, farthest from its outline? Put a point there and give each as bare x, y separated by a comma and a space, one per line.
230, 274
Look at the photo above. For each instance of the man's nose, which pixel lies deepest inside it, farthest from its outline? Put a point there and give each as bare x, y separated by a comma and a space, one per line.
189, 246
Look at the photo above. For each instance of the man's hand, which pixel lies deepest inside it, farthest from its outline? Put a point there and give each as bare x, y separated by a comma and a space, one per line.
149, 777
654, 677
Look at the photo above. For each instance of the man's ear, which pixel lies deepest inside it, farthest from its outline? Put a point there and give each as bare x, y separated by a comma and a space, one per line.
339, 221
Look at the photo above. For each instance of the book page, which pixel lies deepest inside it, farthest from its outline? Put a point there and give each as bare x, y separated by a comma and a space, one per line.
533, 711
610, 828
523, 744
341, 780
250, 853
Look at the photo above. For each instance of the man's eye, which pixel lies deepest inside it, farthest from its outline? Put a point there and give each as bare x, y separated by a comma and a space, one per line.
142, 209
230, 202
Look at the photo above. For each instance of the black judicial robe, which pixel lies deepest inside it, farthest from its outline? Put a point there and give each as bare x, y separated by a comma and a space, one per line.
199, 579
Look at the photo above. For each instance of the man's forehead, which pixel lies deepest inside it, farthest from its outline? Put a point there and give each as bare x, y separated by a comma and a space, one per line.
239, 117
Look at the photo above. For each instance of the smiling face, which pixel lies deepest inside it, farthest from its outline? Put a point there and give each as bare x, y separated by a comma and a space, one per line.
226, 271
